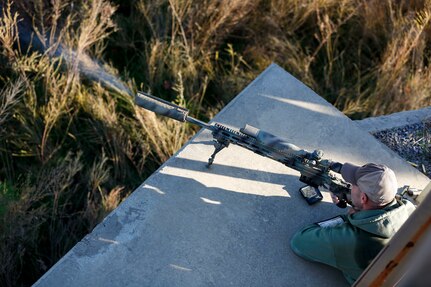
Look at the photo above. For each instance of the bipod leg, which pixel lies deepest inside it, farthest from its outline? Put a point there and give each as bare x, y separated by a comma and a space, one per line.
218, 147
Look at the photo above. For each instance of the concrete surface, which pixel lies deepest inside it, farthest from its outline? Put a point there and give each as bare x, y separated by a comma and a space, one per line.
229, 225
395, 120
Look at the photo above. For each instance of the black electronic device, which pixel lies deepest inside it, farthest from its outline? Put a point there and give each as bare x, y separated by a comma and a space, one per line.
311, 194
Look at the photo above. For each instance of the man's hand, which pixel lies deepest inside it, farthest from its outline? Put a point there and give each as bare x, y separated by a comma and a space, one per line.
334, 198
337, 201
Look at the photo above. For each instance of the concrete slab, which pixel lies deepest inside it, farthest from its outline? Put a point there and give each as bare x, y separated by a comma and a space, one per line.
395, 120
229, 225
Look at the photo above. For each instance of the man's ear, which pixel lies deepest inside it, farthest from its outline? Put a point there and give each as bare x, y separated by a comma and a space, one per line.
364, 198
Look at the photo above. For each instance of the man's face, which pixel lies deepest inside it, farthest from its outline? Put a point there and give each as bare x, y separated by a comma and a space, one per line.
356, 197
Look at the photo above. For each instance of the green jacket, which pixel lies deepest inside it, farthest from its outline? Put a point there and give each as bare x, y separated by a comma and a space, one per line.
351, 245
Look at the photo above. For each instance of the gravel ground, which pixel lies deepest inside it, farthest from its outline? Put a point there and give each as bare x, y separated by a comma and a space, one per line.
412, 142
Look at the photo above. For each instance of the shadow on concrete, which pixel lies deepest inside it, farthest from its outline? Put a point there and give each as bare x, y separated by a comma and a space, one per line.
232, 171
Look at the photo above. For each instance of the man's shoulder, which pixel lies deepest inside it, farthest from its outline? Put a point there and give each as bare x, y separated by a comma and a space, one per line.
383, 222
401, 210
407, 204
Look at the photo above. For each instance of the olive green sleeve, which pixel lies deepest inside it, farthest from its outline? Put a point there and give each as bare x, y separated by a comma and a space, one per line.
333, 246
314, 243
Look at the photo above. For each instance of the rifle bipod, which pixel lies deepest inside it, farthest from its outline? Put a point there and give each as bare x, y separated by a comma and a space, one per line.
218, 147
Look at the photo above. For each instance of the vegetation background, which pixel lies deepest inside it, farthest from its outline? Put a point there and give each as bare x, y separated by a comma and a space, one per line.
72, 143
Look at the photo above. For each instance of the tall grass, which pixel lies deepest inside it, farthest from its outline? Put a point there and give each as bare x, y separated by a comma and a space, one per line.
71, 147
72, 143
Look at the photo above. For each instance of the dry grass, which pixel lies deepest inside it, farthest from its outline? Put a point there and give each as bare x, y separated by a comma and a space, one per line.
366, 57
402, 79
72, 143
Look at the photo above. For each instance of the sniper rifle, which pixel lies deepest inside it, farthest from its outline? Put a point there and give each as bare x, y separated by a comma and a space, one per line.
315, 171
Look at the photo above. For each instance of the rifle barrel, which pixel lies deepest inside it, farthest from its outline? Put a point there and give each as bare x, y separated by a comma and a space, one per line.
199, 123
